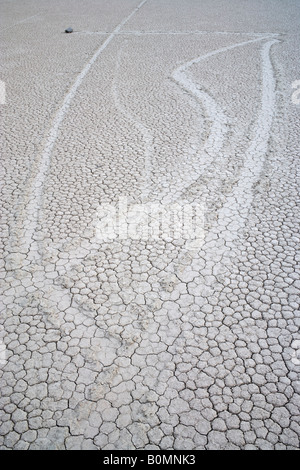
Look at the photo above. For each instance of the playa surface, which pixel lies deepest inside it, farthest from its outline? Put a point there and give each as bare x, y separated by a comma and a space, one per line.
150, 224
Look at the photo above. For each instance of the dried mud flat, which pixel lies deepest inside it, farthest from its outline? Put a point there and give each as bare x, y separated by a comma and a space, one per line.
149, 342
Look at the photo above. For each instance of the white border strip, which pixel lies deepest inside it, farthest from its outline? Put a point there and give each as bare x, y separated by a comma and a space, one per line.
33, 206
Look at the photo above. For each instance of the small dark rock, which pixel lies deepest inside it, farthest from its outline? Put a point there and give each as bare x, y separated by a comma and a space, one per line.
69, 30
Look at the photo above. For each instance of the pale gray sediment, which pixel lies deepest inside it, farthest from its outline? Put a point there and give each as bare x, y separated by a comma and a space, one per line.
150, 344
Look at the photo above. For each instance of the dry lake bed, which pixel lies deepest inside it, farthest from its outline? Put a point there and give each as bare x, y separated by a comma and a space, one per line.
150, 271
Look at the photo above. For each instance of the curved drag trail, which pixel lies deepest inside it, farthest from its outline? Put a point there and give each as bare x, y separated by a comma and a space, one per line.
157, 344
220, 123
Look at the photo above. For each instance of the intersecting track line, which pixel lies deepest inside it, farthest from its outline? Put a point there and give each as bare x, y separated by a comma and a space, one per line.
218, 118
220, 122
234, 213
33, 206
178, 33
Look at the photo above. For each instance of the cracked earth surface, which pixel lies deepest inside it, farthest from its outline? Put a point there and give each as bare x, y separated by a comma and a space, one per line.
150, 343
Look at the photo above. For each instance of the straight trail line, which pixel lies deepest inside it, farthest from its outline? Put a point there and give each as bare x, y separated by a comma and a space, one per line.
20, 22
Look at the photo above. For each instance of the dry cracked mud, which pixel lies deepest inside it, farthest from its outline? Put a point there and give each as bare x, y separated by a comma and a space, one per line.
113, 341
